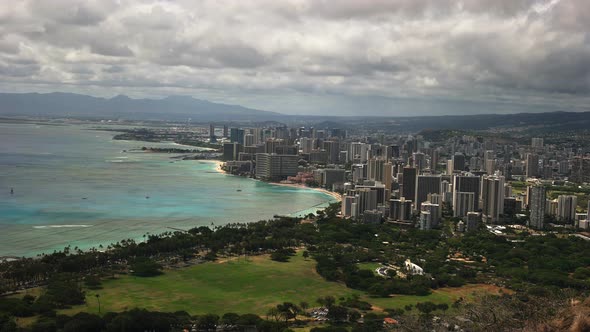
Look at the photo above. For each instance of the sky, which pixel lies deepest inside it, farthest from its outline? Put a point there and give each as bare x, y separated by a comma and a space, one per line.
338, 57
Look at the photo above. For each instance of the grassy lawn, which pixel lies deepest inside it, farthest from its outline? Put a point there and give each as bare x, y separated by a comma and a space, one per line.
369, 266
231, 286
243, 287
442, 295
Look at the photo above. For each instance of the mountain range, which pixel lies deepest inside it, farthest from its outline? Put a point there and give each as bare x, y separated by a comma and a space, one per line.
59, 104
182, 108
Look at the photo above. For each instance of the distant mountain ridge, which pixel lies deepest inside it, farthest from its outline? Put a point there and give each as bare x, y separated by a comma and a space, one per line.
58, 104
181, 108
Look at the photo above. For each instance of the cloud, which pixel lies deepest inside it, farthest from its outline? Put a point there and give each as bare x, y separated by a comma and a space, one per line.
307, 56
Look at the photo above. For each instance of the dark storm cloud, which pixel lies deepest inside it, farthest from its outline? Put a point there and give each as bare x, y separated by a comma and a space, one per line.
307, 55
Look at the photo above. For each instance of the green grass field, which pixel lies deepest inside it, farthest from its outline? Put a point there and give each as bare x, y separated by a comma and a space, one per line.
241, 287
231, 286
369, 266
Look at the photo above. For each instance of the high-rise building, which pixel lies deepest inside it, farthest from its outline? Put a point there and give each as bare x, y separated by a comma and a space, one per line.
580, 170
270, 166
359, 173
511, 206
551, 207
271, 144
563, 167
378, 187
333, 150
358, 152
419, 161
507, 190
425, 220
236, 135
566, 207
306, 145
347, 201
426, 184
212, 137
532, 165
472, 221
225, 131
537, 207
449, 167
463, 203
400, 209
248, 140
375, 169
492, 198
491, 166
435, 211
537, 142
409, 183
367, 199
467, 184
231, 151
487, 156
333, 176
393, 152
434, 157
458, 162
446, 190
388, 176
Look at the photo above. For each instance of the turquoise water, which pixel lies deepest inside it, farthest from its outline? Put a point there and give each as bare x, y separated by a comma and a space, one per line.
75, 186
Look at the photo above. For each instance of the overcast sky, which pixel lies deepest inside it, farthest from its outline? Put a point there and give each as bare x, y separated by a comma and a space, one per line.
341, 57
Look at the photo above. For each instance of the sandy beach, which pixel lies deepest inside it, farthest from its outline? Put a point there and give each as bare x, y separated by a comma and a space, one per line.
218, 164
336, 195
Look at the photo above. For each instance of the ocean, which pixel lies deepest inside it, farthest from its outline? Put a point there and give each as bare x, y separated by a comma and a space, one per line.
77, 186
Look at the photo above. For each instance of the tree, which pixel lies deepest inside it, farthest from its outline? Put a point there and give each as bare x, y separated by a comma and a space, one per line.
249, 320
288, 311
426, 307
146, 267
63, 292
92, 282
84, 322
207, 322
274, 314
338, 313
326, 301
305, 254
230, 318
442, 306
304, 306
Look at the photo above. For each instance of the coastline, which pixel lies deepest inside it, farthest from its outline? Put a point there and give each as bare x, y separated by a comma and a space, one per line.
218, 164
336, 196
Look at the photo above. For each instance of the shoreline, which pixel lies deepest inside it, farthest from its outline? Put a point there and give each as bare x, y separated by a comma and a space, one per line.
218, 165
336, 196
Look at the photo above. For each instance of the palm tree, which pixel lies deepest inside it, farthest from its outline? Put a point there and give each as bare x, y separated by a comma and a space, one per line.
98, 299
